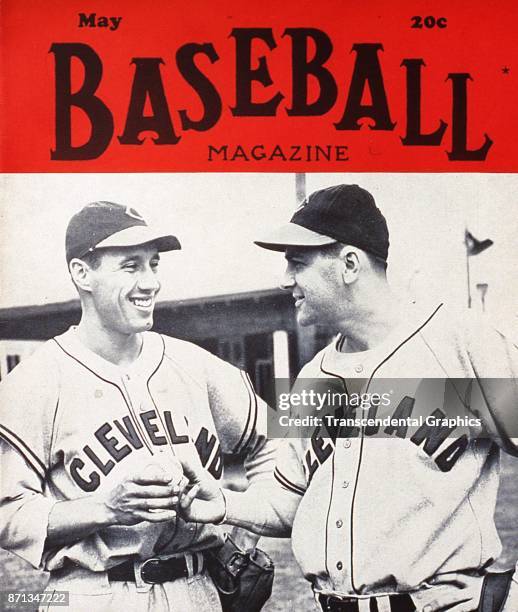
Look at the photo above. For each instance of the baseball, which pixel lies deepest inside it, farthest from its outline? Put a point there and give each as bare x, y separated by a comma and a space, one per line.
167, 465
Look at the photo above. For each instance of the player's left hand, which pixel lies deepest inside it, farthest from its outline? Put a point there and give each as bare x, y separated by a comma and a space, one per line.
464, 599
201, 498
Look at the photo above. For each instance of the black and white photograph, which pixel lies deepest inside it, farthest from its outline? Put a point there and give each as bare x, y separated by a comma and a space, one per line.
146, 323
258, 306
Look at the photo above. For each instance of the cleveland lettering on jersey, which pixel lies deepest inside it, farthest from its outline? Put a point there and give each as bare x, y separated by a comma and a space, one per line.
110, 448
432, 435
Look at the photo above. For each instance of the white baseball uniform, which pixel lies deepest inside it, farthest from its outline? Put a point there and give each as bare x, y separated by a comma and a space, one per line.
383, 514
73, 423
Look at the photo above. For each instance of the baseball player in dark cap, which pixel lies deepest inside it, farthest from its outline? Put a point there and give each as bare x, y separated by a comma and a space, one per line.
388, 514
92, 426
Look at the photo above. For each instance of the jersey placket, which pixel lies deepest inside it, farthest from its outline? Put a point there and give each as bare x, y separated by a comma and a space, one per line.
132, 389
345, 467
140, 401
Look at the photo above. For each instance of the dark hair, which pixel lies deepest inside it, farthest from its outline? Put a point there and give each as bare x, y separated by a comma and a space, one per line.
380, 265
92, 258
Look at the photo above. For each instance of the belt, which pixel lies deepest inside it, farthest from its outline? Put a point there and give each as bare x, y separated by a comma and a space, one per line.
156, 571
398, 603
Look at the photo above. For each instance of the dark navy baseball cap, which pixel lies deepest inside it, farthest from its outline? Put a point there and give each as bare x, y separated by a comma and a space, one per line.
106, 224
342, 213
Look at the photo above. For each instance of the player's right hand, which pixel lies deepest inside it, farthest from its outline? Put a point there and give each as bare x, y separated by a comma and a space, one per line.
150, 495
201, 498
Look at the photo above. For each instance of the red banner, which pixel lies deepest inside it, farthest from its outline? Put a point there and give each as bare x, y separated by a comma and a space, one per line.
292, 86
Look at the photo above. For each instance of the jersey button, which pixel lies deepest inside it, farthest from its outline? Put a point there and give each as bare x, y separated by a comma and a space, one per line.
359, 368
347, 443
339, 565
345, 484
339, 523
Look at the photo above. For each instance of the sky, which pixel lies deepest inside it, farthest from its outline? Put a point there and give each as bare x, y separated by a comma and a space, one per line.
217, 217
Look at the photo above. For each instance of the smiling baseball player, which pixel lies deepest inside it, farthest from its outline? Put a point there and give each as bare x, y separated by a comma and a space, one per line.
388, 518
92, 426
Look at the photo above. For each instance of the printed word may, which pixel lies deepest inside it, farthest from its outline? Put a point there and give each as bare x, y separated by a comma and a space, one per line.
91, 21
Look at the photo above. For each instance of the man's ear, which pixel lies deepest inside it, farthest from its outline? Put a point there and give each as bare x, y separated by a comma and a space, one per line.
80, 273
350, 257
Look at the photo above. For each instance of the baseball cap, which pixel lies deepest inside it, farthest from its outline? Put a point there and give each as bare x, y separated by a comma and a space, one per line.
106, 224
341, 213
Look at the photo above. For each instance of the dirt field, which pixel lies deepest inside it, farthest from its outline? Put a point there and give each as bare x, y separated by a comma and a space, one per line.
291, 591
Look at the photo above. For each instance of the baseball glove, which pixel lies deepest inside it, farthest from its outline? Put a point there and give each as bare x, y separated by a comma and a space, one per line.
244, 579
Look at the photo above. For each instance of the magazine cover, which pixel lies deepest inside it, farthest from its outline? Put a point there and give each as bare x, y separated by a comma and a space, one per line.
258, 304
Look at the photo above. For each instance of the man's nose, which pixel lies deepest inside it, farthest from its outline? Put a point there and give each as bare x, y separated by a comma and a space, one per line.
148, 280
288, 280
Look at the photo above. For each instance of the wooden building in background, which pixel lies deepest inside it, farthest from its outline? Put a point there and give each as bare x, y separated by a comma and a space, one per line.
256, 331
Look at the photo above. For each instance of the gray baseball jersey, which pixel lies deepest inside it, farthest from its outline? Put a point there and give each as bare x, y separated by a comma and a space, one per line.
381, 514
73, 424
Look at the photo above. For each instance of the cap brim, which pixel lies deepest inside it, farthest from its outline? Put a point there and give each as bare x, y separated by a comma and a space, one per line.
138, 235
293, 235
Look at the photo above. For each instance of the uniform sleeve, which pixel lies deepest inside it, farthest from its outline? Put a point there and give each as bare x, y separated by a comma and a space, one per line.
240, 417
266, 509
494, 392
28, 400
289, 467
24, 510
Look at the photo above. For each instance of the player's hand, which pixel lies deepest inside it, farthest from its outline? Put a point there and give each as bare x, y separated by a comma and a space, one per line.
464, 599
150, 495
201, 498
